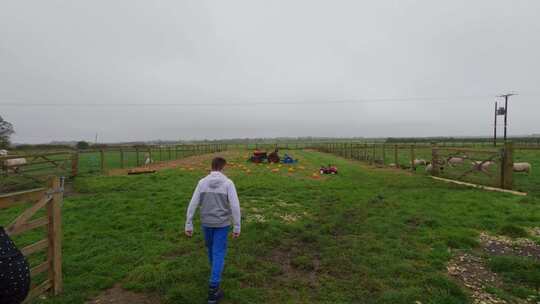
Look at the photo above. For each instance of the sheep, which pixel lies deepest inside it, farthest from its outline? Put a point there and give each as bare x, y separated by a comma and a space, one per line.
522, 167
419, 162
14, 164
455, 160
429, 167
3, 152
482, 165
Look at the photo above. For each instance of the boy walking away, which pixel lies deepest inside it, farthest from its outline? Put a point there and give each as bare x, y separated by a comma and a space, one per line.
219, 203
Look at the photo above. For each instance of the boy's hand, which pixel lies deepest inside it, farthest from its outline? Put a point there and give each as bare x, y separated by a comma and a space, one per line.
189, 233
236, 235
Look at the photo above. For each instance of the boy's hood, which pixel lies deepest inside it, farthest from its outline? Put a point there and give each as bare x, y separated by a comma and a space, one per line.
216, 179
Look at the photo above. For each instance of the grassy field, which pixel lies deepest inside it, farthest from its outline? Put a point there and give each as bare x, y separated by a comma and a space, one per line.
364, 236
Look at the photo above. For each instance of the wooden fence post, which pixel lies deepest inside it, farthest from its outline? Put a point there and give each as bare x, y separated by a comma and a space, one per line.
121, 158
396, 158
74, 164
507, 166
413, 157
365, 152
434, 160
137, 156
54, 213
383, 153
102, 156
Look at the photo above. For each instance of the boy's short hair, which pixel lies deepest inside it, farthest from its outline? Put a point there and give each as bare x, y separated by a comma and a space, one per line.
218, 163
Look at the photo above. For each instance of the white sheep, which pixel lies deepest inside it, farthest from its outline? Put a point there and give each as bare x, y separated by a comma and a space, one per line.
419, 162
455, 160
482, 165
522, 167
14, 164
3, 152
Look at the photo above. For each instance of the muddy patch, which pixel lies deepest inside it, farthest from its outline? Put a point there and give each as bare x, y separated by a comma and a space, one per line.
118, 295
501, 245
295, 266
472, 272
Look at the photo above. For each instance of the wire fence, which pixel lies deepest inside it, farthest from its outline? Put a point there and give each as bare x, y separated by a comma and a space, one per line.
479, 165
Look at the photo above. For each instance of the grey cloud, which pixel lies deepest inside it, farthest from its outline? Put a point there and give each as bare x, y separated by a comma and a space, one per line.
249, 51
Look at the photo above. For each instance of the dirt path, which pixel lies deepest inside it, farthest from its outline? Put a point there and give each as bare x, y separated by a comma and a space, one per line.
197, 162
118, 295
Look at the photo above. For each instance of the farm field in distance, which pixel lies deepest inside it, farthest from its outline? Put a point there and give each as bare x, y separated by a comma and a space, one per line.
366, 235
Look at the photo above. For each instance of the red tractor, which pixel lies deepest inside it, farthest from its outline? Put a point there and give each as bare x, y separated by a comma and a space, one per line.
273, 157
328, 170
258, 157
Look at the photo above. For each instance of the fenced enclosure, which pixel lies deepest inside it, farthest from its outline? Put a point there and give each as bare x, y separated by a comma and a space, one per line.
99, 161
30, 215
31, 170
491, 167
406, 156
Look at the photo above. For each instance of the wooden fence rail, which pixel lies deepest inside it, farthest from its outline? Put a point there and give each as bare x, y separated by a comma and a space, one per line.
50, 199
41, 164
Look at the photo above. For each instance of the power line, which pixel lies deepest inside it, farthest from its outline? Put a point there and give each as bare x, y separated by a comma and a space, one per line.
445, 99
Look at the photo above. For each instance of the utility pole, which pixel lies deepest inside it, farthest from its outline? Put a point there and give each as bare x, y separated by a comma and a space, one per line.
506, 111
495, 127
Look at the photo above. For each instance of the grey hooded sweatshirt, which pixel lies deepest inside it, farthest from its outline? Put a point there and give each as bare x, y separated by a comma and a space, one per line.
219, 203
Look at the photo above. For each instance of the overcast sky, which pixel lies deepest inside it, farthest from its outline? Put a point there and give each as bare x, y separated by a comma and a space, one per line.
333, 68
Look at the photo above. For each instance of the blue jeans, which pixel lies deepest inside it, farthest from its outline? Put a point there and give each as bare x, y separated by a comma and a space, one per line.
216, 243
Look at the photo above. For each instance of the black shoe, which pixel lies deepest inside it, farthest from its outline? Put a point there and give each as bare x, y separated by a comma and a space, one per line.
214, 295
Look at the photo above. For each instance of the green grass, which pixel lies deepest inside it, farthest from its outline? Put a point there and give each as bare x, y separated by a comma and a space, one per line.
514, 231
363, 236
521, 274
528, 182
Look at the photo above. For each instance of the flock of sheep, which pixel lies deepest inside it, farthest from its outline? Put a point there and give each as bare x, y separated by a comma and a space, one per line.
482, 166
